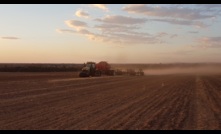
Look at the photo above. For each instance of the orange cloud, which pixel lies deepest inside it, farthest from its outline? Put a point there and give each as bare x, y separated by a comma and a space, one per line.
101, 6
76, 24
81, 13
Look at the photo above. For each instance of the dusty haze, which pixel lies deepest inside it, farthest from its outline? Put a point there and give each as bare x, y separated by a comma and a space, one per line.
183, 70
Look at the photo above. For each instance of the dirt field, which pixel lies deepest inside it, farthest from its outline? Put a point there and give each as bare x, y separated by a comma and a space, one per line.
61, 101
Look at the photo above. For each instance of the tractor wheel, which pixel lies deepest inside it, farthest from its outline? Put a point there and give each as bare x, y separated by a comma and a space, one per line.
112, 72
98, 73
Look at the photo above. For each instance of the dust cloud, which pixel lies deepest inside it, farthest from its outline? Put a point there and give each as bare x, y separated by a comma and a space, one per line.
183, 70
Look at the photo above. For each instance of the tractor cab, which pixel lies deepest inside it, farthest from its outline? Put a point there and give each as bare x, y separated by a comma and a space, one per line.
91, 65
89, 69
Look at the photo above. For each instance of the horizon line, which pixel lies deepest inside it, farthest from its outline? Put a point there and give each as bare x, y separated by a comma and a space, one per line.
117, 63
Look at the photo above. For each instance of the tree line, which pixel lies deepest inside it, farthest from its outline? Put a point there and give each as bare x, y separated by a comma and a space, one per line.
40, 68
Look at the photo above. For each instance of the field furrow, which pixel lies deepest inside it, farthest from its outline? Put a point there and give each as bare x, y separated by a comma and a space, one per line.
152, 102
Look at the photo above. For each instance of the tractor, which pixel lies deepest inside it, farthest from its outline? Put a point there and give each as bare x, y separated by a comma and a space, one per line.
96, 69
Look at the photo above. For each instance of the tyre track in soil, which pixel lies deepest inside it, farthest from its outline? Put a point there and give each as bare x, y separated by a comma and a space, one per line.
157, 111
127, 111
46, 107
83, 113
204, 116
8, 87
136, 95
174, 113
38, 91
30, 97
77, 91
19, 77
103, 106
59, 98
134, 110
33, 95
214, 98
186, 102
47, 84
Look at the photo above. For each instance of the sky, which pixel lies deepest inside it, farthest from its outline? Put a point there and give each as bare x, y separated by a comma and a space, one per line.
116, 33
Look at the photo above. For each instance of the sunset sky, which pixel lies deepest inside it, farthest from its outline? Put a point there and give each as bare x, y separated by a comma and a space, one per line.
117, 33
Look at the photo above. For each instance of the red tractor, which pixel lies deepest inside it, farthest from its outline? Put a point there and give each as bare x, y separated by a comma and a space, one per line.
93, 69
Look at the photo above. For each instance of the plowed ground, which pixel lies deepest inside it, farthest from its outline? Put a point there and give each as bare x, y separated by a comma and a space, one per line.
61, 101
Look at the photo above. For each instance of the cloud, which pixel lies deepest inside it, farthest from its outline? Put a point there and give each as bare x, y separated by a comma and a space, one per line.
161, 34
101, 6
193, 32
10, 38
117, 19
209, 42
169, 12
112, 31
85, 32
76, 24
200, 24
80, 31
164, 34
174, 14
127, 34
173, 35
116, 36
116, 28
123, 38
65, 31
197, 24
81, 13
210, 7
182, 52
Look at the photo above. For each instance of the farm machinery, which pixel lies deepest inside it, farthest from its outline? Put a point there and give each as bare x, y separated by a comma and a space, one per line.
96, 69
140, 72
103, 68
133, 72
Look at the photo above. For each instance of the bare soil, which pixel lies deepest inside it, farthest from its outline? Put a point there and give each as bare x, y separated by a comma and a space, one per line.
62, 101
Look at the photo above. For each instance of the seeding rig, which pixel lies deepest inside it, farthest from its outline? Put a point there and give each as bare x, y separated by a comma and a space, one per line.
103, 68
